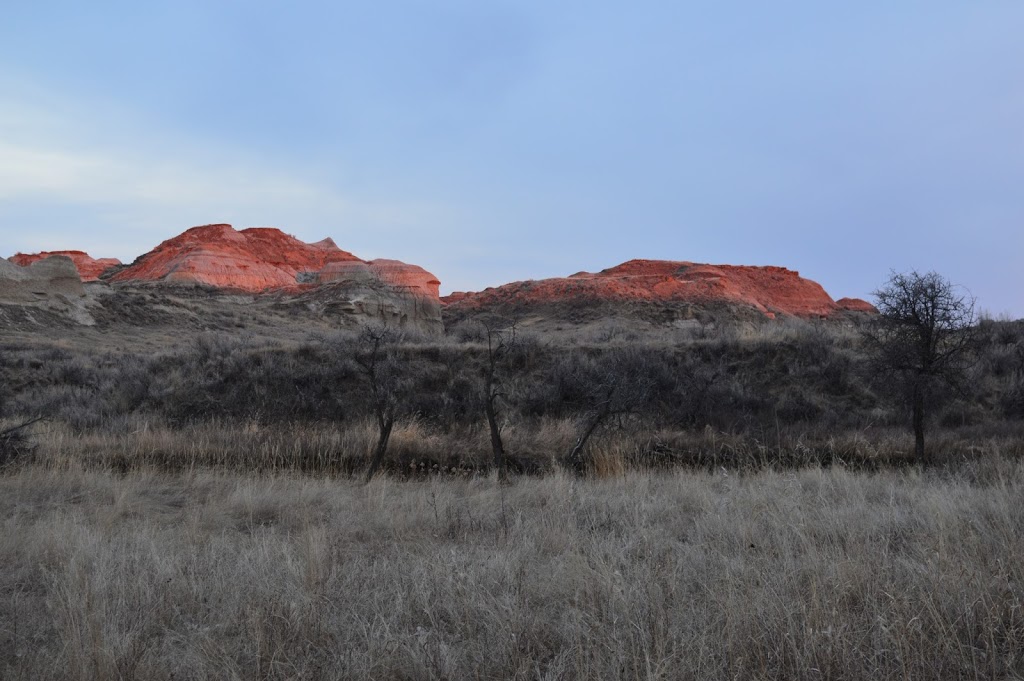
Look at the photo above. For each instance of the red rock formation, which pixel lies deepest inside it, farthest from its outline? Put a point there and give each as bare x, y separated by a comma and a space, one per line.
319, 276
253, 260
410, 277
392, 273
856, 305
262, 258
89, 269
769, 290
352, 271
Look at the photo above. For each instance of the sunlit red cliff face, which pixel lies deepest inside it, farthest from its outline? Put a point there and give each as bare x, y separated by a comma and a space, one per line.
263, 259
856, 305
248, 260
318, 278
768, 290
89, 268
326, 280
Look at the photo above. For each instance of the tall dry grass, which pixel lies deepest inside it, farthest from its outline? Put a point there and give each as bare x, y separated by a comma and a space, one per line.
776, 575
419, 448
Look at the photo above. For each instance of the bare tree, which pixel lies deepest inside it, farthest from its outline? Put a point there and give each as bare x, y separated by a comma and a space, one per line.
614, 385
500, 335
923, 337
14, 440
377, 361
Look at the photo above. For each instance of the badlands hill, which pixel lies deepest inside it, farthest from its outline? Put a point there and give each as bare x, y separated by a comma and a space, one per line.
89, 268
211, 273
661, 289
199, 276
263, 259
40, 281
42, 291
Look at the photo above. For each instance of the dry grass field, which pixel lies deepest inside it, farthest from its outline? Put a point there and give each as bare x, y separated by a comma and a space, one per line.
193, 510
805, 574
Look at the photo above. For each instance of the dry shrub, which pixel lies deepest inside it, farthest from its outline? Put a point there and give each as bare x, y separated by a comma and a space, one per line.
785, 394
611, 458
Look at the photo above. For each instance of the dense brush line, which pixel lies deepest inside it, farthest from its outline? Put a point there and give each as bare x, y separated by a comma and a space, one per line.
784, 394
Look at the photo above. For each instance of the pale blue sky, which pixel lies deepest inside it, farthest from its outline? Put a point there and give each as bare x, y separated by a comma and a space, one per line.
493, 141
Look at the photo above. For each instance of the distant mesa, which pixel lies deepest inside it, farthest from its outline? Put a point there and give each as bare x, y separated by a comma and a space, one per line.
89, 268
319, 277
265, 259
769, 291
250, 260
856, 305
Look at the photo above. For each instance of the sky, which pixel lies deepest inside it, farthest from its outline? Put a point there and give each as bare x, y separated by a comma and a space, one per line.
493, 141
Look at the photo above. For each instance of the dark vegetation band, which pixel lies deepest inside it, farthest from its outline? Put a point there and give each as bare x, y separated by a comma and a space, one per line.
740, 396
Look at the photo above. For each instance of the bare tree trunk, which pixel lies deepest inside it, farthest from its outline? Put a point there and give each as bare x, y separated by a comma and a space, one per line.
575, 458
15, 443
20, 426
381, 449
497, 448
919, 451
499, 341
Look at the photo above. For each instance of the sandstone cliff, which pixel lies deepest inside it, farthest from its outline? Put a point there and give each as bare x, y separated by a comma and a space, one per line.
251, 260
856, 305
39, 281
319, 275
45, 287
89, 268
769, 291
271, 267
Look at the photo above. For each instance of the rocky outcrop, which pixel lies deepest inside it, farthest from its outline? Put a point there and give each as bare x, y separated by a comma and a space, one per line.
262, 258
856, 305
39, 281
769, 291
323, 278
89, 268
392, 273
319, 275
355, 301
45, 289
407, 277
252, 260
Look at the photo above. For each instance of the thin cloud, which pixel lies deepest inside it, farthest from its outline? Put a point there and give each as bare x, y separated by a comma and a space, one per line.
121, 181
